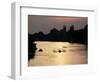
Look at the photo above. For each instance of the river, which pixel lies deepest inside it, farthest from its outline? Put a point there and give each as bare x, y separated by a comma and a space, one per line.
59, 53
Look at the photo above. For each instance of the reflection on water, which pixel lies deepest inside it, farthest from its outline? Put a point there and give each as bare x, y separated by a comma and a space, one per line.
59, 53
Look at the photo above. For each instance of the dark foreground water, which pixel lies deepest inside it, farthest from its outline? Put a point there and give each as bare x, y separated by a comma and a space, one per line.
59, 53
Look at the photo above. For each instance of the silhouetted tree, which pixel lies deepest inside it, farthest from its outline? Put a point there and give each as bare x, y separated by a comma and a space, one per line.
53, 31
62, 34
41, 36
53, 35
64, 28
31, 47
71, 28
86, 34
71, 34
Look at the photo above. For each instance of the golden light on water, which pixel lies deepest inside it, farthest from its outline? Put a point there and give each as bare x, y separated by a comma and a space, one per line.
59, 53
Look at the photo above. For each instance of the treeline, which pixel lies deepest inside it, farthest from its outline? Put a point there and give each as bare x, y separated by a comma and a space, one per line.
73, 36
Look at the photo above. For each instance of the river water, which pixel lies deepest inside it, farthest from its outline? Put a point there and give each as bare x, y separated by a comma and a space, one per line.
59, 53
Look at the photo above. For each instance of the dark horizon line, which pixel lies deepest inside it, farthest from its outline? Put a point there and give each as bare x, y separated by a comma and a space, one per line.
60, 29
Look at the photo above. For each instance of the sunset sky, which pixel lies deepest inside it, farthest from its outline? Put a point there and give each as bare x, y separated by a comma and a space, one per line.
38, 23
